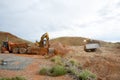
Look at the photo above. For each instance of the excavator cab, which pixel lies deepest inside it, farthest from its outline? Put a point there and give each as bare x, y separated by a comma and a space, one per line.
5, 46
44, 42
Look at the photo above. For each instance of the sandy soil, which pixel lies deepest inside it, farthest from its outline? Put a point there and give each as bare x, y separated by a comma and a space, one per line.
31, 72
105, 63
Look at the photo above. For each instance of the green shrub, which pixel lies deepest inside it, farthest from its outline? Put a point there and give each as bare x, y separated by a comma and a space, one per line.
43, 71
79, 66
71, 70
18, 78
73, 62
85, 75
5, 79
57, 60
14, 78
57, 70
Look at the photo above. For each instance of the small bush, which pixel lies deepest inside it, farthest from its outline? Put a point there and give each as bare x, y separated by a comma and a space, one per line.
71, 70
18, 78
57, 70
14, 78
73, 62
85, 75
79, 66
5, 79
57, 60
43, 71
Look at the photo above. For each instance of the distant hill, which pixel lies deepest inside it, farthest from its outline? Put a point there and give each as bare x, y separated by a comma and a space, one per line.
71, 41
78, 41
5, 35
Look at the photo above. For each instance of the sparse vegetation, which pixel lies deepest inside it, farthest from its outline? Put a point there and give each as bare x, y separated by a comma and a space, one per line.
70, 66
5, 79
14, 78
73, 62
87, 75
57, 60
43, 71
71, 70
56, 70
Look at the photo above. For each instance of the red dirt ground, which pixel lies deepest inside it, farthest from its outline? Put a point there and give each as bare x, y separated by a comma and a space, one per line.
105, 63
32, 71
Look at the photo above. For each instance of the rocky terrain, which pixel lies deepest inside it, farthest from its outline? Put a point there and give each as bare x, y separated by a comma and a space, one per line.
105, 62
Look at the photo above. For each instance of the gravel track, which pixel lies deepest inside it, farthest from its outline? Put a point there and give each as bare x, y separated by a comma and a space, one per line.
14, 62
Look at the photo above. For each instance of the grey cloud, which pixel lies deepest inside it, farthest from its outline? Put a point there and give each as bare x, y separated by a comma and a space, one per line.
31, 18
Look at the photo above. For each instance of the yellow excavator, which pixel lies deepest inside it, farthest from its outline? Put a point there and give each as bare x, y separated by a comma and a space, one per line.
44, 42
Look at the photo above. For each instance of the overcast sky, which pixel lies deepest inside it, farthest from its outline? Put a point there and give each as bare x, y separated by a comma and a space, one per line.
29, 19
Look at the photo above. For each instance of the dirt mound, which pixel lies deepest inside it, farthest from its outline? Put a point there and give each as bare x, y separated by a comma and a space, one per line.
106, 65
60, 49
37, 50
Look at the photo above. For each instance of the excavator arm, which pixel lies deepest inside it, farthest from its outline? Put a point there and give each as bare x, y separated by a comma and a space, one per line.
44, 42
